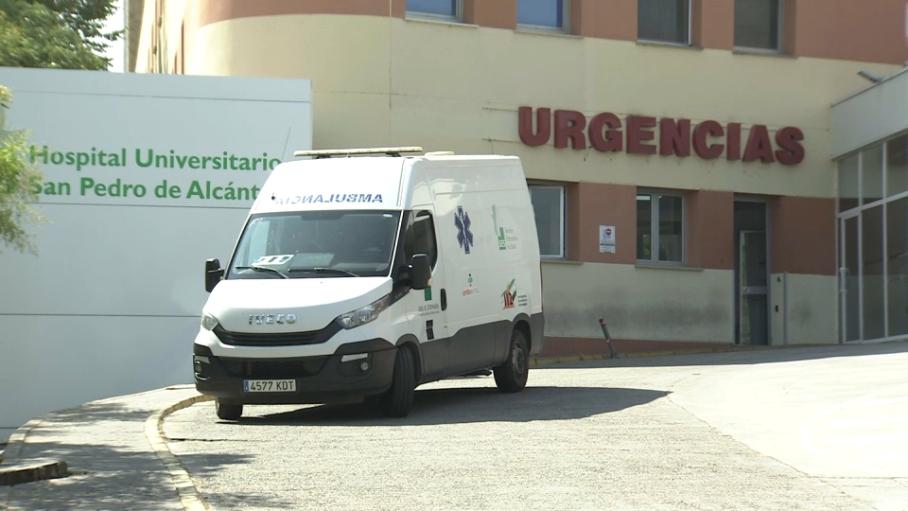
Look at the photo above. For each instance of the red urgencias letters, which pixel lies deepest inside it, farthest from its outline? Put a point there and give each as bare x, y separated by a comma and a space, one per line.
638, 134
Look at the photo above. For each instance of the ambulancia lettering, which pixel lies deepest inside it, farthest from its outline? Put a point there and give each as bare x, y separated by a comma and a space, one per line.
332, 198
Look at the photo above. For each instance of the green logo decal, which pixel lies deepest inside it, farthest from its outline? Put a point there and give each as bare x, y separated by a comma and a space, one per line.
499, 231
427, 293
507, 238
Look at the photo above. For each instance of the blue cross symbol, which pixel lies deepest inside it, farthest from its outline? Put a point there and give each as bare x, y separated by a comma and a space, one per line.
464, 236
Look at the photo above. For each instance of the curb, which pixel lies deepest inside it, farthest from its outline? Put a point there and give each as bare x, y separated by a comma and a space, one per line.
189, 495
17, 439
538, 362
32, 470
12, 451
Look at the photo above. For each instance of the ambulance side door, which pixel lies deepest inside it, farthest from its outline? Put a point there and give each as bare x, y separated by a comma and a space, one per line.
429, 319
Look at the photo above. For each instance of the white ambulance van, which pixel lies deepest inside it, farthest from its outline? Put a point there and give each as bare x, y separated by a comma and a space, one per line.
361, 274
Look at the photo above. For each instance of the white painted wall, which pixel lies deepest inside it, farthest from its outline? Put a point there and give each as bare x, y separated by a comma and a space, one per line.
110, 303
800, 307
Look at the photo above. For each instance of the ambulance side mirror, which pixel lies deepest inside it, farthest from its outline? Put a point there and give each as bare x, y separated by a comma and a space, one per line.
419, 270
213, 273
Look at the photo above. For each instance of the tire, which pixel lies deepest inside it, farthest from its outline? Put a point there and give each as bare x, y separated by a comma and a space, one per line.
512, 375
228, 412
398, 400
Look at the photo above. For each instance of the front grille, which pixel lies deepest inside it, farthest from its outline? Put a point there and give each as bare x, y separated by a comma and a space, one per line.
276, 339
277, 368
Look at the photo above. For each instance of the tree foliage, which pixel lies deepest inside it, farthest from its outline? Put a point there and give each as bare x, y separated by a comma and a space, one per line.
55, 33
18, 181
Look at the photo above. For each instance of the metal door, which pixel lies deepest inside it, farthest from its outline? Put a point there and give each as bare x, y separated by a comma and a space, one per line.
752, 285
849, 278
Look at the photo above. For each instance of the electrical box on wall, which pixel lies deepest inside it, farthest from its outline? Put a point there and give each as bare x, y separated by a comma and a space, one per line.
778, 291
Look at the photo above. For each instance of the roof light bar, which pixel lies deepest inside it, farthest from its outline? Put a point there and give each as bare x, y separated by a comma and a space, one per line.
328, 153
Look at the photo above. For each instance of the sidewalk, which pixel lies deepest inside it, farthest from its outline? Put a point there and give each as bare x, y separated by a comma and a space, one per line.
113, 463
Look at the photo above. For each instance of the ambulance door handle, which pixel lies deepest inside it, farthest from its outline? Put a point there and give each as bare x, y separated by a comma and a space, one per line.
444, 300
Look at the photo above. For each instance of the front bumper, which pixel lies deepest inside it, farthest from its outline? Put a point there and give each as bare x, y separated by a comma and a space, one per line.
319, 379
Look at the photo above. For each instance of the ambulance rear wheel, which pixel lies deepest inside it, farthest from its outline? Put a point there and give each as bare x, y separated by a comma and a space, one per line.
228, 412
512, 375
398, 400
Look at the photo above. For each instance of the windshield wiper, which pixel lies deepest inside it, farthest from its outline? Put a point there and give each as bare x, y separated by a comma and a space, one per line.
322, 269
262, 268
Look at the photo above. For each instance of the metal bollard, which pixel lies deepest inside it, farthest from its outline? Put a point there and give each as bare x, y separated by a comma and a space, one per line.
608, 338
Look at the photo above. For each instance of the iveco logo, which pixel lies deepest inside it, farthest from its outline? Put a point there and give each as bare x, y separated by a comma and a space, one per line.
272, 319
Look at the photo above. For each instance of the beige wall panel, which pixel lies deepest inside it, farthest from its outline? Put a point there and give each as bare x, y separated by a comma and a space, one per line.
486, 66
807, 305
143, 53
347, 54
812, 178
457, 87
344, 120
714, 84
638, 303
437, 124
503, 67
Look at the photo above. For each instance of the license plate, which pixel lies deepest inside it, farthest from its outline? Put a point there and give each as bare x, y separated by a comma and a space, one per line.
269, 385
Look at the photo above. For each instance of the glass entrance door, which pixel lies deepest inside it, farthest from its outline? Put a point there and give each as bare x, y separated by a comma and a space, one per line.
849, 279
751, 272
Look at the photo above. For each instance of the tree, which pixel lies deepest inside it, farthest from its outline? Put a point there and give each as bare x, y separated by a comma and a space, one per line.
18, 183
55, 33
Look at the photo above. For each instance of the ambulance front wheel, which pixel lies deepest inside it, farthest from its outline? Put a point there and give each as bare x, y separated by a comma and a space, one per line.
228, 412
512, 375
398, 400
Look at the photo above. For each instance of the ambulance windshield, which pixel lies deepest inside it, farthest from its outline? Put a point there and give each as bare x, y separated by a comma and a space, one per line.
316, 244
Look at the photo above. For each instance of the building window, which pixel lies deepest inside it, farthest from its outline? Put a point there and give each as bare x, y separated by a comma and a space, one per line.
758, 24
444, 9
848, 183
666, 21
660, 227
548, 208
897, 165
873, 242
544, 14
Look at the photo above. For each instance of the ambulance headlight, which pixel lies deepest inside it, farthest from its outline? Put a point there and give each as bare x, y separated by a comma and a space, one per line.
364, 315
209, 321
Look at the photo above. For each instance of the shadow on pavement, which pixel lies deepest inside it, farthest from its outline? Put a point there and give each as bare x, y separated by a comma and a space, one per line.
469, 405
91, 413
108, 476
111, 470
102, 476
756, 355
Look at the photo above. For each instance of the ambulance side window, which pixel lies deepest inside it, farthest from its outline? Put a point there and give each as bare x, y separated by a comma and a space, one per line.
420, 237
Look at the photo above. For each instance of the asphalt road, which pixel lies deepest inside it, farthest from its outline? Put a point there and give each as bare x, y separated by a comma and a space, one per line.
812, 429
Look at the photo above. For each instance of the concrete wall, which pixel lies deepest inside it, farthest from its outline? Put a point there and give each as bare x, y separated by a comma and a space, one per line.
110, 303
638, 303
